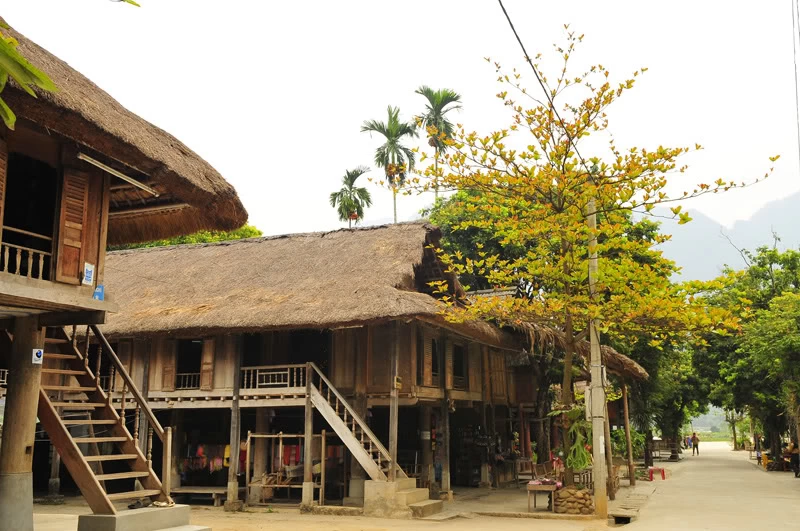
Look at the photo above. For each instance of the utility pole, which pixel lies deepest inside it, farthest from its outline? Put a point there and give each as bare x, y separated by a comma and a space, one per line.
596, 387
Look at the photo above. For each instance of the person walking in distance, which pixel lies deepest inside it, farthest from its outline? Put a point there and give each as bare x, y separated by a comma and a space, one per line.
695, 444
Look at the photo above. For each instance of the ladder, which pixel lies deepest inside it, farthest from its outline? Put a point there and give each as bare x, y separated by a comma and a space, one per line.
365, 447
79, 416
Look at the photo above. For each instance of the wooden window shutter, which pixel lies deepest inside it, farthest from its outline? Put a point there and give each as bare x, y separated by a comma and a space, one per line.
70, 253
474, 368
169, 355
207, 366
448, 364
3, 172
427, 374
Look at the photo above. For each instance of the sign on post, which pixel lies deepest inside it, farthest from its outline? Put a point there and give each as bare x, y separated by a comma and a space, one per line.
37, 357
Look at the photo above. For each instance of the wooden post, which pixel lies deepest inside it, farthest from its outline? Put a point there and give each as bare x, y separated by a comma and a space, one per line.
166, 462
322, 460
259, 451
308, 475
247, 469
446, 446
425, 441
19, 429
609, 457
631, 467
393, 402
232, 503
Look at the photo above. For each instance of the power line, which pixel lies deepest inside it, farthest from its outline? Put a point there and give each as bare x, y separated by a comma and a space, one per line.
795, 14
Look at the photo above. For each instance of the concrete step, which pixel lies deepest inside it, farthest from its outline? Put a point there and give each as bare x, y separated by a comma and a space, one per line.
426, 508
406, 483
409, 496
174, 518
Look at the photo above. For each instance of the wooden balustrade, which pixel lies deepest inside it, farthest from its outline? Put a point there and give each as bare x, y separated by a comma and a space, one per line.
273, 376
187, 380
25, 261
460, 383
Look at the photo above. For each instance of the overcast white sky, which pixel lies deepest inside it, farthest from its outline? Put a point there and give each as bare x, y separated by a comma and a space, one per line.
272, 94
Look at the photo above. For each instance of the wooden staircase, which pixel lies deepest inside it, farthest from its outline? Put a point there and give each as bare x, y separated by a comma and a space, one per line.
365, 447
81, 421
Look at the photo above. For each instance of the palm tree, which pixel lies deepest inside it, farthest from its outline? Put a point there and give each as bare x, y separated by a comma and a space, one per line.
440, 129
351, 199
395, 158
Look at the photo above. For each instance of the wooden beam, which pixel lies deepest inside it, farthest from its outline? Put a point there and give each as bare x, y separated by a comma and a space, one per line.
72, 318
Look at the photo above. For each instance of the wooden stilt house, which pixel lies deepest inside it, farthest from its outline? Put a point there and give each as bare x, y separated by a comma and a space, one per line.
79, 172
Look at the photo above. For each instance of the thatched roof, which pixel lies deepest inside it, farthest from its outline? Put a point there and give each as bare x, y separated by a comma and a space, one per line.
541, 337
316, 280
82, 112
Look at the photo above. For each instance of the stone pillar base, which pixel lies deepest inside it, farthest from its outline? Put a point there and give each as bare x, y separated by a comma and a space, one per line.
308, 493
16, 501
380, 498
233, 506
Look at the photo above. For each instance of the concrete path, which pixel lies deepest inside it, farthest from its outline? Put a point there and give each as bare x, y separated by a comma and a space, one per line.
721, 490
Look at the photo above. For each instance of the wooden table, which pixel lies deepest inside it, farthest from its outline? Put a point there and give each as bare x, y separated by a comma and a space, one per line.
549, 489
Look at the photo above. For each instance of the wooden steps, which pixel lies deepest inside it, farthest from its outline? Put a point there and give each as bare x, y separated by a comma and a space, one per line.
96, 426
58, 356
121, 475
98, 440
110, 457
134, 494
90, 422
78, 405
69, 388
68, 372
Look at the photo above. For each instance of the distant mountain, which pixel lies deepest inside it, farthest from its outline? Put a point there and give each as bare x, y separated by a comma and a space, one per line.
701, 248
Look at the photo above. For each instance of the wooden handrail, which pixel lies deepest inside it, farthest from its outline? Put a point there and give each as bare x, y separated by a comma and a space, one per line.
28, 233
137, 395
20, 247
277, 367
353, 414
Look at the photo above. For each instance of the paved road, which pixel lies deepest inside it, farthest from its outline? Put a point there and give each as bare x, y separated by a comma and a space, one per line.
722, 490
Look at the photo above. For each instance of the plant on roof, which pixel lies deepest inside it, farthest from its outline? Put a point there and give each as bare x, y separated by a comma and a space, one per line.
396, 159
351, 200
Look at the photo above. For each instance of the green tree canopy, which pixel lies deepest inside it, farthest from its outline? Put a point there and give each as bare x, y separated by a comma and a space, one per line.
351, 200
203, 236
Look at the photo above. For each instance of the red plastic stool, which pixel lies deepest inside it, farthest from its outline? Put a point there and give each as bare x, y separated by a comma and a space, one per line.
653, 468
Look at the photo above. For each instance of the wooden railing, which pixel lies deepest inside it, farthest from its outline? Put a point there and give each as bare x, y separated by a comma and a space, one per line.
460, 383
273, 376
105, 383
3, 377
141, 407
187, 380
18, 259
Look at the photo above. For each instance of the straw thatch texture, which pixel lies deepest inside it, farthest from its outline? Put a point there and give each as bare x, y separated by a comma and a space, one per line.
542, 337
317, 280
83, 112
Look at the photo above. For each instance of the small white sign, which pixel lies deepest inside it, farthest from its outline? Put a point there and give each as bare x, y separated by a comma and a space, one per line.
38, 356
88, 274
425, 435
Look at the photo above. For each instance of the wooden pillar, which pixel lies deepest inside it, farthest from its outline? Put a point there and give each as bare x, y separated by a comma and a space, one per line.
178, 435
425, 442
629, 443
609, 457
259, 451
393, 401
233, 503
446, 446
308, 472
19, 428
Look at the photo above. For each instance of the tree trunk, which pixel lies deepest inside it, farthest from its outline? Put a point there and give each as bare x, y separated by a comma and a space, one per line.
648, 446
566, 396
540, 425
394, 202
733, 429
436, 184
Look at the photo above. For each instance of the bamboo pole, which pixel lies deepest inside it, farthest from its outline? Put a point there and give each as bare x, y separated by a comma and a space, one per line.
609, 457
322, 470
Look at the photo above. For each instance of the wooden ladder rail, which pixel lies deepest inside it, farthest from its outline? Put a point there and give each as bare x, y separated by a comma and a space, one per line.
165, 435
383, 452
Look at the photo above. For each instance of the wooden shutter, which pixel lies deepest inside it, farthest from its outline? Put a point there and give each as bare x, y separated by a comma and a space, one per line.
74, 198
169, 358
448, 364
3, 173
474, 368
427, 372
207, 366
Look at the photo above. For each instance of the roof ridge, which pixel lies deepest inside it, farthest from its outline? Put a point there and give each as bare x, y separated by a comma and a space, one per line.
423, 223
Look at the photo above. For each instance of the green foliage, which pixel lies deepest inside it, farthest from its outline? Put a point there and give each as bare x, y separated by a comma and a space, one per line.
27, 76
393, 156
434, 120
350, 199
620, 446
203, 236
580, 435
